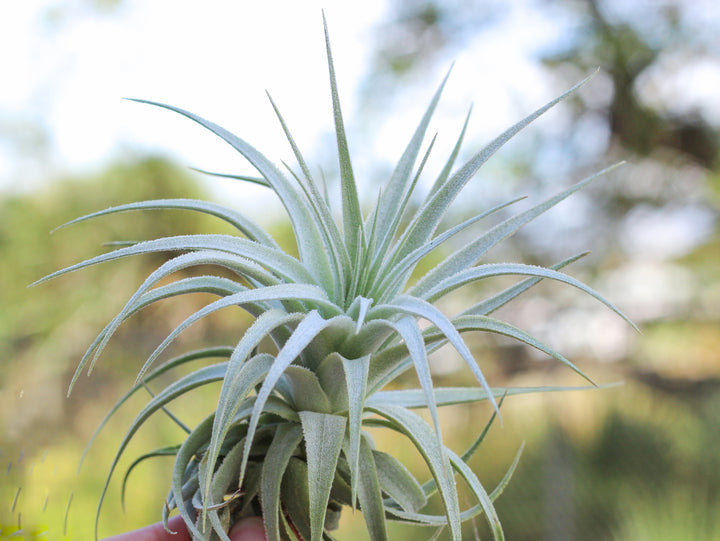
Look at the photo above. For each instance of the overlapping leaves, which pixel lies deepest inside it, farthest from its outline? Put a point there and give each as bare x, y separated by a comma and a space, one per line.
344, 324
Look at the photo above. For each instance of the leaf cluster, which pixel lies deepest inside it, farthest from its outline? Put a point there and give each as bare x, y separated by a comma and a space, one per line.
288, 437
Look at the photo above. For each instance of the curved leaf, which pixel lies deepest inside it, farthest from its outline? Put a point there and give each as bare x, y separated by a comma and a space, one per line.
139, 299
305, 389
398, 483
277, 261
480, 493
467, 256
194, 442
165, 367
308, 237
308, 328
245, 178
295, 495
244, 380
448, 396
421, 308
488, 306
271, 293
499, 269
241, 378
398, 272
447, 169
410, 333
196, 379
340, 260
163, 451
441, 520
237, 220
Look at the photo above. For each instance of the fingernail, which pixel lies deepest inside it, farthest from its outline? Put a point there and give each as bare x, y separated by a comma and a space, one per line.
248, 529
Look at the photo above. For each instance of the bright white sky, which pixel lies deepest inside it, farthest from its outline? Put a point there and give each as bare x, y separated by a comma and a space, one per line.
67, 67
71, 74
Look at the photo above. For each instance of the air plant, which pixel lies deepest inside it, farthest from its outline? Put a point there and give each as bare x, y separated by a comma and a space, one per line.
288, 439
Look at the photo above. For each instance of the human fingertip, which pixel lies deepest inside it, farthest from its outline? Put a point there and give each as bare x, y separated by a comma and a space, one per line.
248, 529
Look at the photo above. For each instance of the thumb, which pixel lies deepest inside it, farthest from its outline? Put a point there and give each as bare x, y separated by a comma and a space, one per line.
248, 529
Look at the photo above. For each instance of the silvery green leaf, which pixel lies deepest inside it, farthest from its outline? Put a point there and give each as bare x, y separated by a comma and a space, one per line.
221, 479
333, 381
241, 378
276, 260
480, 494
245, 178
193, 443
410, 333
305, 390
351, 213
284, 444
474, 274
178, 388
295, 494
495, 326
308, 237
368, 339
274, 404
398, 483
165, 367
396, 276
421, 308
136, 301
475, 445
237, 220
468, 514
323, 439
369, 493
448, 396
340, 260
468, 255
244, 380
488, 306
271, 293
450, 163
356, 373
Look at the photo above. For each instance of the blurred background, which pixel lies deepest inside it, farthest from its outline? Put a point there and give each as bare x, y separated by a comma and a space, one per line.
632, 462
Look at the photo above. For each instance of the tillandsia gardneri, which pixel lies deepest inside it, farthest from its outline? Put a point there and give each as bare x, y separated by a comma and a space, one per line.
287, 440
